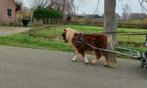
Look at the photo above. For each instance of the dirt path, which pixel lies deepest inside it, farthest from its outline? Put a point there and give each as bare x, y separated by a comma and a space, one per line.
4, 30
34, 68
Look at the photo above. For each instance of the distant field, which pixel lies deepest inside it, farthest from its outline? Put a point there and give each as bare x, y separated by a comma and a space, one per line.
50, 38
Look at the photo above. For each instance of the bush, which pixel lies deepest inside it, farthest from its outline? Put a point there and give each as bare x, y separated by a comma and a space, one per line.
45, 13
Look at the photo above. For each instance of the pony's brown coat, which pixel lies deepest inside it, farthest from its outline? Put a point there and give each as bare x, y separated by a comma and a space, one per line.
96, 40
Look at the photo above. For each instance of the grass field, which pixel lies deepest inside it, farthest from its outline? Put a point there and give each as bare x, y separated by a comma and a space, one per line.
50, 38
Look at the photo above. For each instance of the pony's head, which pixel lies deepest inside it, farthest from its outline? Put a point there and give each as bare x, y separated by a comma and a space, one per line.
64, 36
68, 34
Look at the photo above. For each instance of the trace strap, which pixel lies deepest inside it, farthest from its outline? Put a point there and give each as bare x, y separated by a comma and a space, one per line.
110, 51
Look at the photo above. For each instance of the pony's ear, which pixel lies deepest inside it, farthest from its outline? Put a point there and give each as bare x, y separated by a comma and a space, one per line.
65, 30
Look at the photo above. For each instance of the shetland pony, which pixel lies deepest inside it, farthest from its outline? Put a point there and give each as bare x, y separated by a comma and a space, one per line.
77, 40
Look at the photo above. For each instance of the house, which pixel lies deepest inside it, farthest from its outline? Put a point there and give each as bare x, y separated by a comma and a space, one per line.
92, 19
95, 16
7, 11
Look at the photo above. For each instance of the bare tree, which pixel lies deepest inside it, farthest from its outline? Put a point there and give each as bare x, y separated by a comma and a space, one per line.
64, 6
98, 2
126, 11
39, 3
19, 5
142, 2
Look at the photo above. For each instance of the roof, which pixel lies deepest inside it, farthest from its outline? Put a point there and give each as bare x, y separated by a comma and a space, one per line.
18, 7
14, 2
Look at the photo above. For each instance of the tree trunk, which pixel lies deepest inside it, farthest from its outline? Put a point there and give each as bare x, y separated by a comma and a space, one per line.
110, 26
109, 17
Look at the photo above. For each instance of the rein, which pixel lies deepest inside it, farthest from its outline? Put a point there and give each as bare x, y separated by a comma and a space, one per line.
114, 52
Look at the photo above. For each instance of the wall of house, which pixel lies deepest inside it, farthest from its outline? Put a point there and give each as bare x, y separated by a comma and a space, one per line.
4, 6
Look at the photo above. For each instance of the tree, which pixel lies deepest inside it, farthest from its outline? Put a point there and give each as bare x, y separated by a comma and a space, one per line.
109, 24
39, 3
143, 4
19, 5
126, 12
109, 17
66, 7
44, 13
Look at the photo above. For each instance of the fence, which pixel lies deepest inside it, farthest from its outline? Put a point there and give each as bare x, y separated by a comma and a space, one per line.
94, 23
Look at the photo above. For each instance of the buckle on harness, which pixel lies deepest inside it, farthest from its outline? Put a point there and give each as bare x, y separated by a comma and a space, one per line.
81, 39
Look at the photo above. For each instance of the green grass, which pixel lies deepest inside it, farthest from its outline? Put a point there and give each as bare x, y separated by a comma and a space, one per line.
24, 40
50, 38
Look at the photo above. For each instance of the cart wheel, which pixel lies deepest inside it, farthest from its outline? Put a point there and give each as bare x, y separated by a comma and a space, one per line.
141, 63
145, 67
142, 66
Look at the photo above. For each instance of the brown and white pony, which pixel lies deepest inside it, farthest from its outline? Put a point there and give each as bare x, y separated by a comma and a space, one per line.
77, 40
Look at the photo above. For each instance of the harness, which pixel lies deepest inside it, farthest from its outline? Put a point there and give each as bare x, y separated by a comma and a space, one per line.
81, 39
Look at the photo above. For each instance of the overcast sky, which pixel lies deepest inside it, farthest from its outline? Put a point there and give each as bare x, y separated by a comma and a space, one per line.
89, 6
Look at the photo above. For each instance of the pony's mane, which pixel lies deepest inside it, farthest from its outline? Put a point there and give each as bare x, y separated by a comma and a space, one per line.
70, 33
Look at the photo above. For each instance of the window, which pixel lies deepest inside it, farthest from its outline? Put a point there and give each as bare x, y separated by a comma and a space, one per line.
9, 12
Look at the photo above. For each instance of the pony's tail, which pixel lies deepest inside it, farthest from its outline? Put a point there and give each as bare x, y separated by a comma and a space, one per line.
111, 56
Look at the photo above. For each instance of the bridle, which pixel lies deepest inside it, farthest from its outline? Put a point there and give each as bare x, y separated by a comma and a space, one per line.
64, 37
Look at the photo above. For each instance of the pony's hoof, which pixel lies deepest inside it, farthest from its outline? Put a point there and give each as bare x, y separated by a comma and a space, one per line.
93, 63
114, 66
74, 60
86, 63
106, 66
111, 66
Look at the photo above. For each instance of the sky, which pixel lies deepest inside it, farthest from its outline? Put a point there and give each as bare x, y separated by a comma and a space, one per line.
89, 6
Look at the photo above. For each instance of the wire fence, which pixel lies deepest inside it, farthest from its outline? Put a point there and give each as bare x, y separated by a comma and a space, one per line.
120, 24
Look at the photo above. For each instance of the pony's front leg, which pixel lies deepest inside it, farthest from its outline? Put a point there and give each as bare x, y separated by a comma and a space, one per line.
76, 53
75, 57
